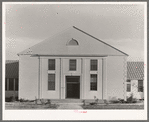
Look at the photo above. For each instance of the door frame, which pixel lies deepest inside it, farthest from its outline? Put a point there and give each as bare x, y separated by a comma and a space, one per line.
66, 86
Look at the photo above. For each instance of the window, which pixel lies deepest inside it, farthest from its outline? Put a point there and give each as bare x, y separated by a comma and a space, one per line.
93, 64
5, 84
11, 84
73, 42
16, 84
93, 82
72, 64
140, 85
51, 64
51, 81
128, 87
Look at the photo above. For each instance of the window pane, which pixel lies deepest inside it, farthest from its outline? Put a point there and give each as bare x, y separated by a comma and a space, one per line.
128, 87
93, 65
16, 84
5, 84
93, 82
72, 64
140, 85
51, 64
51, 82
11, 84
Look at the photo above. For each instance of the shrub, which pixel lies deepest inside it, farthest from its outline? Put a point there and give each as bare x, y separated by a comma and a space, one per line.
11, 99
131, 99
93, 103
45, 101
106, 102
115, 101
121, 100
23, 100
49, 101
96, 101
8, 99
83, 102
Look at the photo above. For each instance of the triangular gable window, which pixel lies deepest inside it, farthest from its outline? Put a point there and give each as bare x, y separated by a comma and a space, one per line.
73, 42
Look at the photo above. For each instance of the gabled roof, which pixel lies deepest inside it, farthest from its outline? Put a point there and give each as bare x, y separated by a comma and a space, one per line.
88, 45
135, 70
12, 69
99, 40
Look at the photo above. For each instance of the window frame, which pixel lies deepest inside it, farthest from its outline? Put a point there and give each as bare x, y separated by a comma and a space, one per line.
93, 66
51, 64
52, 82
9, 86
128, 90
70, 68
128, 82
140, 89
96, 82
6, 84
16, 84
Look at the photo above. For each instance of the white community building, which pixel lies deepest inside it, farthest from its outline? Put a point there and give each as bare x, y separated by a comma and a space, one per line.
72, 65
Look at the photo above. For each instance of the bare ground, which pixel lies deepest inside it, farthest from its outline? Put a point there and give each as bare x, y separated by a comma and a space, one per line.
32, 105
116, 106
28, 105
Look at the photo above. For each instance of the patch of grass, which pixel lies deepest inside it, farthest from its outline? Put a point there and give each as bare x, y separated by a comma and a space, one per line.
29, 105
113, 106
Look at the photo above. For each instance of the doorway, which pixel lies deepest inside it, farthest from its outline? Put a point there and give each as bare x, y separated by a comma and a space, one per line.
73, 87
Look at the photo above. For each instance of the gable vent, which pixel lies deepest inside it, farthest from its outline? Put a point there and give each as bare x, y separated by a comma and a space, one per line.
73, 42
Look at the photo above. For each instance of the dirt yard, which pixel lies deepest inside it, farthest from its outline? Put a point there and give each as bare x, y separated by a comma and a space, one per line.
28, 105
116, 106
32, 105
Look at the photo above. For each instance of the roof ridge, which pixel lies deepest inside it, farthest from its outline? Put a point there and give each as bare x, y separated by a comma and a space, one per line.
99, 40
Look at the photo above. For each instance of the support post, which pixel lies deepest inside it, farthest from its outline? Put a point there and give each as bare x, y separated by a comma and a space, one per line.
104, 78
60, 80
39, 79
82, 81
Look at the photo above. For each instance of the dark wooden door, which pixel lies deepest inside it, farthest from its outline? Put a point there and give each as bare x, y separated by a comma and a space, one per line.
73, 87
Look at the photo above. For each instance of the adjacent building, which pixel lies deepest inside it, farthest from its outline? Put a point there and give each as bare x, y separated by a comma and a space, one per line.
11, 78
135, 79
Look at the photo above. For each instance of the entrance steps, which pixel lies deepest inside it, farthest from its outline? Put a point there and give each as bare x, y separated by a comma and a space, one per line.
74, 101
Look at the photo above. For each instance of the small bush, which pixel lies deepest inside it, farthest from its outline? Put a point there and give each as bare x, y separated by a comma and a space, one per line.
49, 101
97, 100
83, 102
93, 103
23, 100
131, 99
115, 101
142, 99
11, 99
121, 100
106, 102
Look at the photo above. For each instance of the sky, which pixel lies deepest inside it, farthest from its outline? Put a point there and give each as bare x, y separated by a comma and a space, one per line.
120, 25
